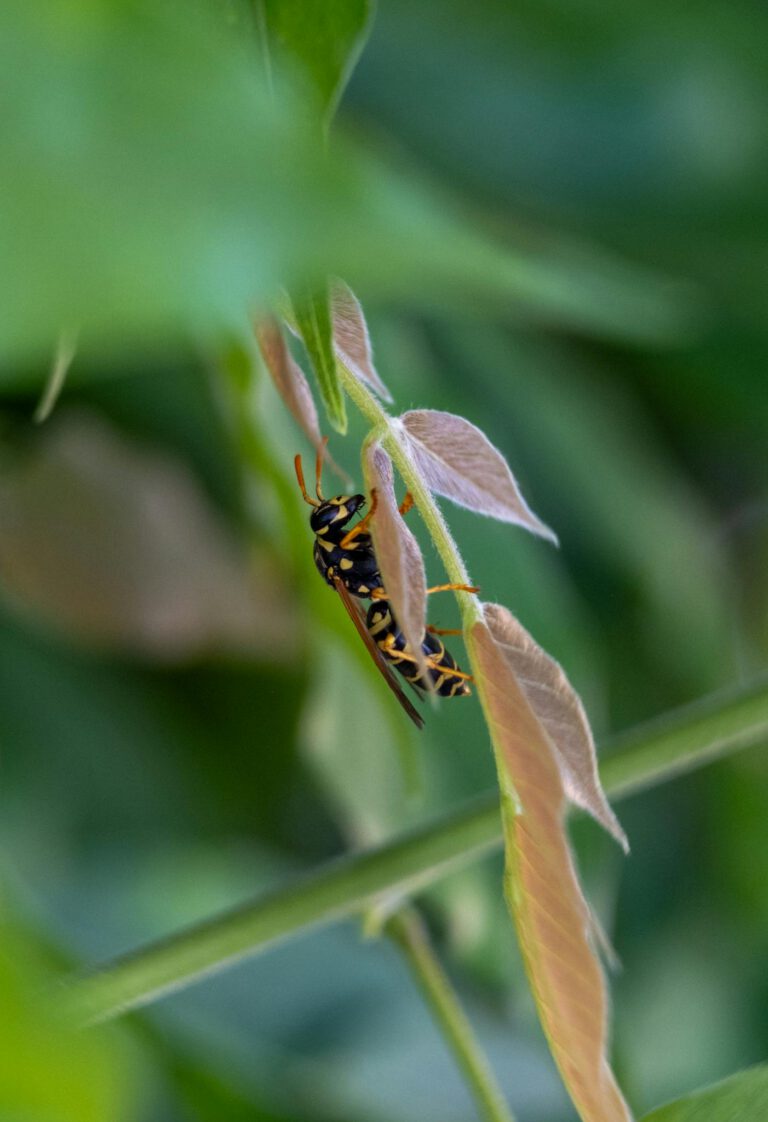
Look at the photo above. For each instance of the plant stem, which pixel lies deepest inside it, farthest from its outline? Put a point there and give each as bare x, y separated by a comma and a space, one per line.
408, 931
422, 496
681, 742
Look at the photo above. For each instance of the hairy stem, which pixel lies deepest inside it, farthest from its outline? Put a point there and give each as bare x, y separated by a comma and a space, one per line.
681, 742
389, 435
408, 931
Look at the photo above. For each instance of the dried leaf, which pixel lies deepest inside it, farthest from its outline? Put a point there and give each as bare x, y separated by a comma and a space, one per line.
559, 708
312, 313
400, 560
543, 891
292, 386
118, 547
351, 340
458, 461
289, 378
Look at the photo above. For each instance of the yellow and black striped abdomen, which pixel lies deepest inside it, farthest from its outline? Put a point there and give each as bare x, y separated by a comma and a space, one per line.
356, 567
384, 630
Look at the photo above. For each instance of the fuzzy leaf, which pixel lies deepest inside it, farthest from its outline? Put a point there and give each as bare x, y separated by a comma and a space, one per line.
313, 321
458, 461
350, 337
741, 1098
325, 37
400, 560
291, 384
289, 378
559, 708
543, 892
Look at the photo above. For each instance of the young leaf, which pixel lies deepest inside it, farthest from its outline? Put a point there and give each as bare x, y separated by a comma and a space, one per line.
350, 337
458, 461
313, 321
550, 913
400, 560
741, 1098
289, 378
559, 708
291, 383
325, 37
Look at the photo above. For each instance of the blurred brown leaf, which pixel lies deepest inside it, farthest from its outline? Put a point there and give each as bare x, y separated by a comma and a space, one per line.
458, 461
351, 339
288, 377
549, 910
398, 553
559, 708
117, 546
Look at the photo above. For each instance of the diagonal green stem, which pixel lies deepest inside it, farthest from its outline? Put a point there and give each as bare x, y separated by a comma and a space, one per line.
408, 931
681, 742
386, 428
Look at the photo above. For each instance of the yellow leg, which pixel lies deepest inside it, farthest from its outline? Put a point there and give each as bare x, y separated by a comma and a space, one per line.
406, 504
363, 524
454, 587
444, 630
430, 662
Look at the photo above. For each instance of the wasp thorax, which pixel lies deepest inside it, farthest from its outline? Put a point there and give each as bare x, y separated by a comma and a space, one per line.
335, 512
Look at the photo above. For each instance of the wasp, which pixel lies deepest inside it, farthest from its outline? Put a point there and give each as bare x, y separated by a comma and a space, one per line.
346, 561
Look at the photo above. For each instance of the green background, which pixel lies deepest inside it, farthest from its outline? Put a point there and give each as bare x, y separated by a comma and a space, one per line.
184, 715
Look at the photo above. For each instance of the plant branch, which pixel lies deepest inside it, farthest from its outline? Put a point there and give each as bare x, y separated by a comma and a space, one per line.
679, 743
408, 931
386, 428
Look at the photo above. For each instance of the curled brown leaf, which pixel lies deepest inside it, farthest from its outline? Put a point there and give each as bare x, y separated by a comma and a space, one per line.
351, 339
291, 383
398, 553
549, 910
559, 708
458, 461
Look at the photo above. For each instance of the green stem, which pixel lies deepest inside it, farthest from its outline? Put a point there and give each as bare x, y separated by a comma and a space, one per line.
422, 496
681, 742
409, 932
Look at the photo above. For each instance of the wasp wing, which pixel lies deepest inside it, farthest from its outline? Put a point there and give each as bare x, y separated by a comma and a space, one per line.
357, 615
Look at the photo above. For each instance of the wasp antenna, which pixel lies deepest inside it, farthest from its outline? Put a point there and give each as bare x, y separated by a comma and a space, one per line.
319, 466
300, 476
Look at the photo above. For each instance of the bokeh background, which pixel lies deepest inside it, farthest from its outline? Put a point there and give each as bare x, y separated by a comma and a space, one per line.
185, 717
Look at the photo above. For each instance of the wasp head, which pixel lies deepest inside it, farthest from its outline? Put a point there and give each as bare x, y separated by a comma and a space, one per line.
335, 512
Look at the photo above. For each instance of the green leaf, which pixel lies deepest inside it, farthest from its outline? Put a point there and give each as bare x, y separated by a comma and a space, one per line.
49, 1069
313, 320
325, 38
741, 1098
152, 187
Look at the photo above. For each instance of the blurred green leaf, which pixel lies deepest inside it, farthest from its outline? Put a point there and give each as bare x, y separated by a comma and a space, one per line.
313, 319
153, 187
50, 1071
324, 36
742, 1098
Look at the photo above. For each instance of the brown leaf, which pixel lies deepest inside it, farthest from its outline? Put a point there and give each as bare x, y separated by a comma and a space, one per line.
559, 708
398, 553
117, 546
543, 891
458, 461
351, 340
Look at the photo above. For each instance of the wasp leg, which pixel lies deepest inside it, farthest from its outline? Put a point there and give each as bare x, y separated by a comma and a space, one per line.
444, 630
454, 587
429, 662
363, 524
406, 504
